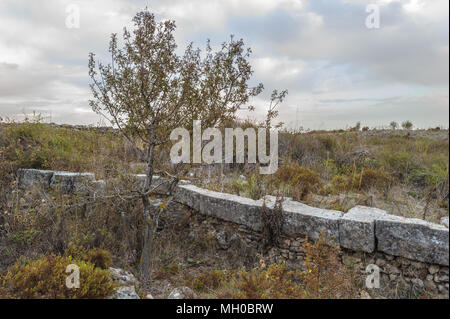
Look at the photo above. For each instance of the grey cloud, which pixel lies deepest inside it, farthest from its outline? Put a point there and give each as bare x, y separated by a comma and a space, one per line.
336, 59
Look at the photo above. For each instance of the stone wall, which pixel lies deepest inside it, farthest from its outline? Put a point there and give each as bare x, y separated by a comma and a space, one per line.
364, 229
410, 250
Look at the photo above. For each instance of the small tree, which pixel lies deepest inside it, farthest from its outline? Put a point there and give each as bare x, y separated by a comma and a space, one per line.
393, 125
407, 125
275, 99
147, 90
356, 128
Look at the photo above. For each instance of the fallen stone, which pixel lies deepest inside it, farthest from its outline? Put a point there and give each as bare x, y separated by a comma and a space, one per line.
122, 277
125, 293
357, 228
126, 281
182, 293
413, 238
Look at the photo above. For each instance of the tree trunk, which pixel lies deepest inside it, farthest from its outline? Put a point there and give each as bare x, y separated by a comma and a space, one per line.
144, 262
144, 267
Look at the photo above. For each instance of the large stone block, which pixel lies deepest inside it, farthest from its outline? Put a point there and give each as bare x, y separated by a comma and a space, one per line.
69, 182
303, 220
413, 238
232, 208
188, 195
28, 178
357, 228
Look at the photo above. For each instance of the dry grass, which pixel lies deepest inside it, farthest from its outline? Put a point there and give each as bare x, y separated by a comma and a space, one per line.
405, 174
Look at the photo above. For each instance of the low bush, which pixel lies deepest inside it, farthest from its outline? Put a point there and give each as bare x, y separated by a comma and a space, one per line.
209, 280
326, 276
363, 181
299, 181
369, 178
46, 278
101, 258
273, 282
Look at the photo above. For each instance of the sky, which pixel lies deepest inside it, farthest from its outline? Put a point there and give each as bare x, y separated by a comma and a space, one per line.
337, 68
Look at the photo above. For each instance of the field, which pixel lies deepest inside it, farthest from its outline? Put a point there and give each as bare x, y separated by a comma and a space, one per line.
404, 172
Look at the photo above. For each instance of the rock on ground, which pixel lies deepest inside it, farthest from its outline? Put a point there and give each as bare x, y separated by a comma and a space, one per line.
125, 293
182, 293
126, 281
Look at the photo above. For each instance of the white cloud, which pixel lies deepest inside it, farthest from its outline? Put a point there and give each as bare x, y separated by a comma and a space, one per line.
337, 71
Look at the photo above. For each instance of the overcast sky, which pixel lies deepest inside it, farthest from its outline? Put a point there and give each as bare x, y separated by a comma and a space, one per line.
336, 69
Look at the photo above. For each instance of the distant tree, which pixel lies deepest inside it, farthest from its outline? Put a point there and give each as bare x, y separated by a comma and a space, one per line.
147, 90
356, 128
407, 125
393, 125
365, 128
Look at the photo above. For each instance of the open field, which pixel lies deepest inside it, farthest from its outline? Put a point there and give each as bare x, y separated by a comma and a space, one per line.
403, 172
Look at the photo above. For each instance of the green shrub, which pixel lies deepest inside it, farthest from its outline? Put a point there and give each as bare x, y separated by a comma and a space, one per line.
101, 258
300, 181
326, 276
209, 280
273, 282
340, 183
363, 181
369, 178
46, 278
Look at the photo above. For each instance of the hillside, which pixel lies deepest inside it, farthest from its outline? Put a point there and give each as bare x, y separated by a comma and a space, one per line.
402, 172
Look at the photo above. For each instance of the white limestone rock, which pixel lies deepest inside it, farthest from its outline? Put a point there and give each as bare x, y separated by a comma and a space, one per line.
357, 228
304, 220
413, 238
69, 182
28, 178
182, 293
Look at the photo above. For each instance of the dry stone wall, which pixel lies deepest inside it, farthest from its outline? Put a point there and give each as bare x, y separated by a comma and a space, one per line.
364, 229
403, 248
